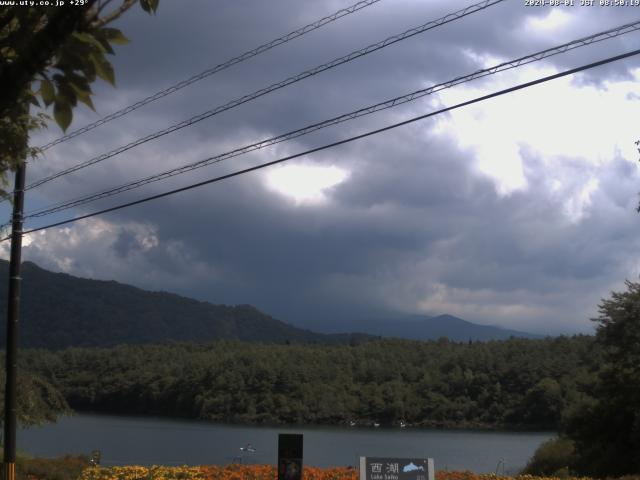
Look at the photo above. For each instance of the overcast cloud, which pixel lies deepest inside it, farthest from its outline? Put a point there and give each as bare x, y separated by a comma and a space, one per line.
518, 211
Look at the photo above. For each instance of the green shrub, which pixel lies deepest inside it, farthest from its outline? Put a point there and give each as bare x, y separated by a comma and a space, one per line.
555, 457
67, 467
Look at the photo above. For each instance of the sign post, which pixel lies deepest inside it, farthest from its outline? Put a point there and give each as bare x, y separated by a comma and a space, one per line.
289, 456
379, 468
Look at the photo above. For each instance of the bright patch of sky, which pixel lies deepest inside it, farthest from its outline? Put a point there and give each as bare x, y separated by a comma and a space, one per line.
553, 21
305, 183
557, 121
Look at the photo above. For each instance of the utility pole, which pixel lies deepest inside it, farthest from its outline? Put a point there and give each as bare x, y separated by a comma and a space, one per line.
13, 315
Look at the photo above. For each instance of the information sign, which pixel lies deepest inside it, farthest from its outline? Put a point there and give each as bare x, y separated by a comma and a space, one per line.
379, 468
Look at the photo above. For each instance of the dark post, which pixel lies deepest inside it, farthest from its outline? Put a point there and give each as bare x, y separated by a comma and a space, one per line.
289, 456
13, 314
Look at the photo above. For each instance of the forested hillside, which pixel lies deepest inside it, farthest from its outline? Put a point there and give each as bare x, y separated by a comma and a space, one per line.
60, 310
515, 383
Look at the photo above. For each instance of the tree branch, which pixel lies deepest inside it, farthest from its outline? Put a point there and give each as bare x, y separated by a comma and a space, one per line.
101, 22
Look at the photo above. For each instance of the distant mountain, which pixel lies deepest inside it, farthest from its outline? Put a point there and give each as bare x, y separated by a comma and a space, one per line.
418, 327
60, 310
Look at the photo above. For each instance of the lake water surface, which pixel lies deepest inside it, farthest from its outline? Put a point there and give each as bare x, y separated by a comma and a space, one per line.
148, 441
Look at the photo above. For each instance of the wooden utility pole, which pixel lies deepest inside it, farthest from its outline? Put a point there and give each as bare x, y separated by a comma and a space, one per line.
13, 315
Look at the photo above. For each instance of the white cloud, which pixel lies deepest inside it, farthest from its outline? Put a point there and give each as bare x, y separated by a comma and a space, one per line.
130, 252
555, 19
557, 121
575, 207
305, 183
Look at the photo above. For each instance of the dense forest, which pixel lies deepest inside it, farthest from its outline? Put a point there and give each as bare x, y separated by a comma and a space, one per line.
516, 383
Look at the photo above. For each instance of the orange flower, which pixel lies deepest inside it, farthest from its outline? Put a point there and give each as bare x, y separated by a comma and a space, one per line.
261, 472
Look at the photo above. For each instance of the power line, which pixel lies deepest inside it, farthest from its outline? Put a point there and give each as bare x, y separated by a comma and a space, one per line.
340, 142
296, 78
211, 71
607, 34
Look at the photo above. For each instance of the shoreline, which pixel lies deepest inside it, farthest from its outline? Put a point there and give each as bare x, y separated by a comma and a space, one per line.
435, 426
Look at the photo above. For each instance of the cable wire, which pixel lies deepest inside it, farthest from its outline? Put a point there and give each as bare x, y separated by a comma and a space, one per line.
296, 78
211, 71
340, 142
607, 34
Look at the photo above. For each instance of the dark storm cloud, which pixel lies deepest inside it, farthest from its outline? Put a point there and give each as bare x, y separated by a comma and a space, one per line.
125, 243
414, 227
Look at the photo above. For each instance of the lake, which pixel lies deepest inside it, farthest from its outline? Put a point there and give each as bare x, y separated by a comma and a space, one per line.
148, 441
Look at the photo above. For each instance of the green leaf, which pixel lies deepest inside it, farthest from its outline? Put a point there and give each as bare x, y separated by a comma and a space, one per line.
113, 35
149, 6
47, 92
68, 64
66, 94
33, 100
79, 81
89, 70
83, 95
62, 113
105, 44
90, 40
104, 68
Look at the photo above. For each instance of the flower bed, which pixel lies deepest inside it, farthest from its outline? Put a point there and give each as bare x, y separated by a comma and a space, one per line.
261, 472
210, 472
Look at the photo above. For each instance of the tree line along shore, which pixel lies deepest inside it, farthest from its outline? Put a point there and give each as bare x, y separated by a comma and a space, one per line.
514, 384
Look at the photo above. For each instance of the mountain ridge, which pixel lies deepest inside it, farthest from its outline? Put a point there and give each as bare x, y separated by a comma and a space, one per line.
425, 327
60, 310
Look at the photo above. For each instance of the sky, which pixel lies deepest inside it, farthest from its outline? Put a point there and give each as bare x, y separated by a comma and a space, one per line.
518, 211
